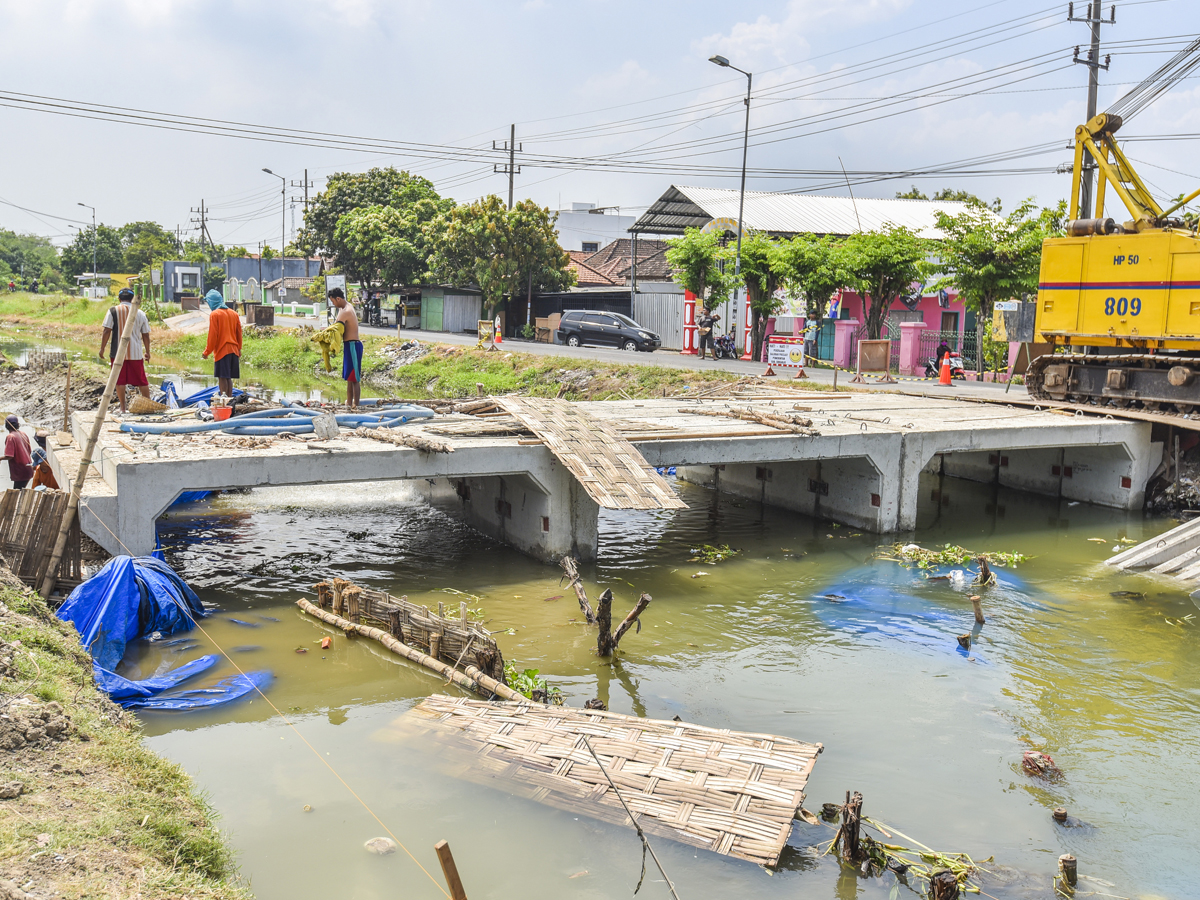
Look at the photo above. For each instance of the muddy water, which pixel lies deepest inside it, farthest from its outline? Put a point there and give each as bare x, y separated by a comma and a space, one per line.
802, 634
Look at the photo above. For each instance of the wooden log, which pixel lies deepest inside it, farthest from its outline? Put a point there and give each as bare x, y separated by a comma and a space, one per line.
605, 645
976, 602
403, 438
449, 869
637, 610
572, 571
1069, 866
470, 677
779, 421
943, 885
324, 594
851, 847
435, 645
339, 584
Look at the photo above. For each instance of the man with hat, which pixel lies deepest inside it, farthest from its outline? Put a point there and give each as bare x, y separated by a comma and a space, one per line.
224, 341
133, 370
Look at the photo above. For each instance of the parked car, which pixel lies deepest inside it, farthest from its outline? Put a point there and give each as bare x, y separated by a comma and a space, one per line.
605, 329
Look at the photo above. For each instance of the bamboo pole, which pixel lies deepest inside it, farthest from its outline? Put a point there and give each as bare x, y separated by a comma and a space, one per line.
60, 544
470, 677
67, 401
450, 870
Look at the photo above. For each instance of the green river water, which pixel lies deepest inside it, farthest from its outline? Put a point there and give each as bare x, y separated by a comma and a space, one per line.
803, 634
1107, 685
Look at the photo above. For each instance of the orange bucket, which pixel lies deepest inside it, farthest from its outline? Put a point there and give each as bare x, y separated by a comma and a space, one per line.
221, 413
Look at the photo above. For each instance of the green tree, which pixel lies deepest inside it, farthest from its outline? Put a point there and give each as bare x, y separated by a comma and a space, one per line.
698, 263
268, 252
387, 246
914, 193
110, 254
503, 252
238, 252
990, 258
814, 267
882, 265
32, 254
147, 248
764, 268
348, 191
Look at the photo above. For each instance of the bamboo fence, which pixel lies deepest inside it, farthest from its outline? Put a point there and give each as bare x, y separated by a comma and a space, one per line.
449, 640
29, 522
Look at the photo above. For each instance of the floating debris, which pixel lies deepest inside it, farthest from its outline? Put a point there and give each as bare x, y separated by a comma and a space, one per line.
1040, 765
710, 555
380, 846
910, 555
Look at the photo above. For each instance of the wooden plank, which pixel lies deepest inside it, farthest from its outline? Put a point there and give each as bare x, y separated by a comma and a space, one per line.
538, 752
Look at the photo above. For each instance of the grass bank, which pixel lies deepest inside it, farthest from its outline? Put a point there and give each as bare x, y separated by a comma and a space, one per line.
445, 371
88, 810
454, 371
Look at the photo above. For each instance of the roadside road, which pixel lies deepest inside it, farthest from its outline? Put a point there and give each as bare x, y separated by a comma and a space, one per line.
676, 360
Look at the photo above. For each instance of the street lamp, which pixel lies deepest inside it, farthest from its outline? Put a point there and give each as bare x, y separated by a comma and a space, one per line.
95, 235
282, 222
725, 64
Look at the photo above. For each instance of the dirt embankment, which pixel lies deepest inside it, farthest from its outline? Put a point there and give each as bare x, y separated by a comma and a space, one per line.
39, 398
85, 809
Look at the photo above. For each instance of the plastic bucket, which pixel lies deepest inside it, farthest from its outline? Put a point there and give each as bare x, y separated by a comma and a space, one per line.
221, 413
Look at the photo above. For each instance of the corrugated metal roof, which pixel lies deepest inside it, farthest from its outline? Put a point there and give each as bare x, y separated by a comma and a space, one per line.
785, 214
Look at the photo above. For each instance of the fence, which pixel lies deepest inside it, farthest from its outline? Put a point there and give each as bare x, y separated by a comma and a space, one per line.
661, 311
961, 342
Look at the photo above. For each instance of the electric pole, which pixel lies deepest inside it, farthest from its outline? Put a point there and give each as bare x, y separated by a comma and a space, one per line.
1094, 66
512, 168
306, 184
202, 221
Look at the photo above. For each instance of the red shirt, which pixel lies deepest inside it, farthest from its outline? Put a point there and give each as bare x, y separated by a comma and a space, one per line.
20, 463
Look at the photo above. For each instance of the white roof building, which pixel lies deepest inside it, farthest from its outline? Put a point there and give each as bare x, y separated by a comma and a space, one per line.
680, 208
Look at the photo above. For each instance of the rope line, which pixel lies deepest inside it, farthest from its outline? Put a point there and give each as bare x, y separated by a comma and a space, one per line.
187, 612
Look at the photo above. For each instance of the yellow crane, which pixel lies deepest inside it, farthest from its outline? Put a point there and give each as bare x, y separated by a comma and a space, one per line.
1119, 302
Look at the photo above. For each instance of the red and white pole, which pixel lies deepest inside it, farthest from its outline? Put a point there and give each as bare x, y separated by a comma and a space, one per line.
689, 324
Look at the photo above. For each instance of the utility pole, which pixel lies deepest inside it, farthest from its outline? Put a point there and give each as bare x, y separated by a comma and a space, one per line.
512, 168
306, 184
1094, 66
203, 223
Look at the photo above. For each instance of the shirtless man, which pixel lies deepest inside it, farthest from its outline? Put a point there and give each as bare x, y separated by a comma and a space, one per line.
352, 348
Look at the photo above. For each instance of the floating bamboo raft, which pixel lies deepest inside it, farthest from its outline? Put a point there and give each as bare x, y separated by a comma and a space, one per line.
610, 468
454, 641
29, 523
730, 792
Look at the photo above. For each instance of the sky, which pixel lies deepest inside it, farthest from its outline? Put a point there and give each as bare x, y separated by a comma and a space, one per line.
613, 101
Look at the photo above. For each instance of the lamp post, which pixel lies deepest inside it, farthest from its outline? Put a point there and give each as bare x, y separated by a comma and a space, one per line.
95, 236
282, 223
737, 263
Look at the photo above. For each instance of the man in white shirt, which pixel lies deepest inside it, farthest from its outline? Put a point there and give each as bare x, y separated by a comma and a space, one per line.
133, 370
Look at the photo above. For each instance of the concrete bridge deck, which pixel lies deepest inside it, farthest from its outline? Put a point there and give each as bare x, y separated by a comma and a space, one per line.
861, 469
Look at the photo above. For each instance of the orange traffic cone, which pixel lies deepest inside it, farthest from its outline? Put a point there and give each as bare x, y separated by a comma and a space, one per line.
944, 372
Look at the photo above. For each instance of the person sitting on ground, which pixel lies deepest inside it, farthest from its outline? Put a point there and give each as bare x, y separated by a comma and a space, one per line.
224, 342
705, 325
16, 451
133, 370
352, 348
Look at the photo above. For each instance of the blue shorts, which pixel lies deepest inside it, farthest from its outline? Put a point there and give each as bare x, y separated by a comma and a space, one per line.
352, 352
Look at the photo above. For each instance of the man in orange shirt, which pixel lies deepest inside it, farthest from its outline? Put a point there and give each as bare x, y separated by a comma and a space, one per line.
224, 341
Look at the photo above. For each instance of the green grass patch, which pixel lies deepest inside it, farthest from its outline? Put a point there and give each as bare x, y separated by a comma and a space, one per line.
54, 308
131, 823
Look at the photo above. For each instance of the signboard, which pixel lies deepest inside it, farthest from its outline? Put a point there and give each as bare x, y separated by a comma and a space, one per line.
156, 277
785, 351
1013, 321
282, 291
485, 330
336, 281
874, 356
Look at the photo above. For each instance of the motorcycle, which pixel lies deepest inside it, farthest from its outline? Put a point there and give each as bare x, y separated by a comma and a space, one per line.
724, 347
957, 370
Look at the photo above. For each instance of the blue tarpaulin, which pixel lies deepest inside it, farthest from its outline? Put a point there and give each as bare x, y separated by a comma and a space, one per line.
133, 598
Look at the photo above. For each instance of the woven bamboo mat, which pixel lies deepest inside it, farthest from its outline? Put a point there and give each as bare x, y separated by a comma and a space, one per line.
731, 792
610, 468
29, 524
